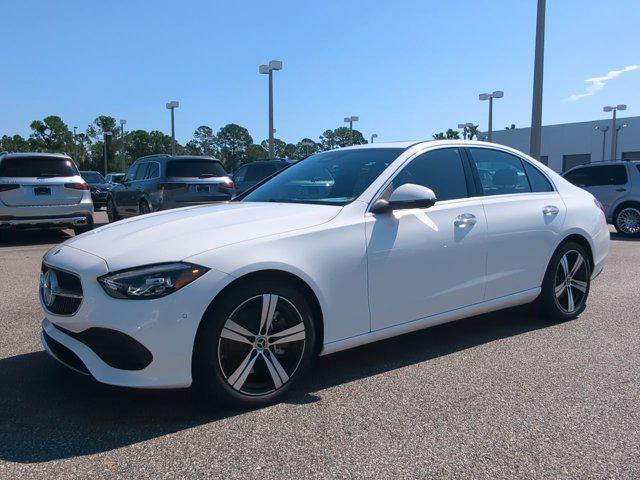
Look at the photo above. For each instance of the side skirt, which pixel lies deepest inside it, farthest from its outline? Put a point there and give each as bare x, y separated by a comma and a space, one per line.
513, 300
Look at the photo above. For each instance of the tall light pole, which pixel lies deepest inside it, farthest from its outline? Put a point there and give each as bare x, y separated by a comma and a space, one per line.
465, 128
604, 129
490, 97
122, 124
105, 135
614, 132
268, 70
373, 135
172, 106
538, 71
350, 121
618, 128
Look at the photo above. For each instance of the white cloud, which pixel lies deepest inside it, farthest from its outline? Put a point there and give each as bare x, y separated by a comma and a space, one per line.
598, 83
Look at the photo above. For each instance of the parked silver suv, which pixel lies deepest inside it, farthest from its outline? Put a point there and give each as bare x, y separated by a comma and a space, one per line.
43, 190
616, 185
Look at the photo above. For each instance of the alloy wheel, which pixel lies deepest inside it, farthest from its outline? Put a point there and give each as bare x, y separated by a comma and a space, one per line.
628, 221
571, 281
261, 345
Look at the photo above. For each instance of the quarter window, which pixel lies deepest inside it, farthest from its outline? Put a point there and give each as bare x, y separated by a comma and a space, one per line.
500, 173
440, 170
537, 180
153, 172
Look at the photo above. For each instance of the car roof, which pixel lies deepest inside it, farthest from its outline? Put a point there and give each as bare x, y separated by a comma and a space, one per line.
33, 154
435, 143
269, 162
609, 162
166, 156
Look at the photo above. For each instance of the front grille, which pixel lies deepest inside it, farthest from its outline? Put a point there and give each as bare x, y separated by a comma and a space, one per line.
60, 291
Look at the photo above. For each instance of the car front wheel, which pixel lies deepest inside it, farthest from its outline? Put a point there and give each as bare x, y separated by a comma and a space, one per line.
254, 344
566, 283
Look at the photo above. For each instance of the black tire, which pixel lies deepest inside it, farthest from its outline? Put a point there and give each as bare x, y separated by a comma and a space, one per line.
557, 291
85, 228
112, 213
216, 356
626, 220
144, 207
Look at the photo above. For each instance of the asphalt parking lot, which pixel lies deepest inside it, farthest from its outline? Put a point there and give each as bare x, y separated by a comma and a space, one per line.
504, 395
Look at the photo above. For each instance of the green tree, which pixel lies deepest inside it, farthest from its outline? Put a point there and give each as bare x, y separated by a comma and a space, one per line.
279, 147
51, 134
232, 141
512, 127
305, 147
255, 152
15, 143
470, 132
203, 143
340, 137
450, 134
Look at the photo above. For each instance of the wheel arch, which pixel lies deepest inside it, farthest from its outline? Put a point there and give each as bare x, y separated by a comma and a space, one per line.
272, 274
625, 202
581, 240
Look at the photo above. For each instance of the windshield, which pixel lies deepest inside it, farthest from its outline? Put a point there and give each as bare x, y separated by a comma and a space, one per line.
335, 178
25, 167
195, 168
92, 177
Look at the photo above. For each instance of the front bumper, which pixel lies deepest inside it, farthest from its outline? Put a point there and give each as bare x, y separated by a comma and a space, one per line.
166, 327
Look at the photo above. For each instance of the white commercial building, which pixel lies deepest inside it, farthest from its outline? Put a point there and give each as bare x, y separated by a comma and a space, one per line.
569, 144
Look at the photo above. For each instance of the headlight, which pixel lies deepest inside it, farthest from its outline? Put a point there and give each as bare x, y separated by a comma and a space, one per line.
149, 282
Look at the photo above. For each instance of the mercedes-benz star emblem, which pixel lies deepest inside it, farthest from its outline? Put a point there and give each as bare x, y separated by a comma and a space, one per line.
48, 285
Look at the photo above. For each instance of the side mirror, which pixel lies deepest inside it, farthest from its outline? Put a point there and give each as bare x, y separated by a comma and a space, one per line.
406, 196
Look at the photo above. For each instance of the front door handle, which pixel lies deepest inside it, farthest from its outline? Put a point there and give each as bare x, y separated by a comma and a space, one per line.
550, 210
621, 189
465, 220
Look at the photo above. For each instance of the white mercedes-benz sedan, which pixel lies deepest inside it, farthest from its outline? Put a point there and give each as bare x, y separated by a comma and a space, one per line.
344, 248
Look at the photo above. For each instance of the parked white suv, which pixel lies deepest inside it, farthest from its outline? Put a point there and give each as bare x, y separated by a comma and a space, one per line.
617, 186
43, 190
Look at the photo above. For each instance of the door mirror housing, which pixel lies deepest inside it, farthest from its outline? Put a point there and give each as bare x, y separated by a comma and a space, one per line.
404, 197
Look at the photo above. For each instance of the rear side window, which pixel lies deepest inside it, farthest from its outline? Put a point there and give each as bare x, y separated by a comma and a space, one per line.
37, 167
195, 168
598, 175
537, 180
440, 170
258, 172
500, 173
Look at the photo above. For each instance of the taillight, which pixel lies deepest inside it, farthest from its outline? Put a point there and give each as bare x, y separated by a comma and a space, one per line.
229, 185
5, 187
77, 186
599, 205
171, 186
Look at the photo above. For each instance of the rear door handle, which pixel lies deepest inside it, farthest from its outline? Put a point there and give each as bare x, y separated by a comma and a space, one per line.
465, 220
550, 210
621, 189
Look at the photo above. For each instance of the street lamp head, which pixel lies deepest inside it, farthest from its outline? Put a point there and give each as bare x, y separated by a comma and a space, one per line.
607, 109
107, 134
355, 119
347, 119
375, 135
263, 69
621, 107
275, 65
465, 125
498, 94
123, 122
173, 104
484, 96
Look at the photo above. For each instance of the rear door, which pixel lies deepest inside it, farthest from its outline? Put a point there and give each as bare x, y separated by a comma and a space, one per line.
39, 180
122, 194
524, 220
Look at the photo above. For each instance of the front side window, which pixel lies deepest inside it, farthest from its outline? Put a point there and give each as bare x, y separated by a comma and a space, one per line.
440, 170
598, 175
500, 173
240, 174
131, 173
334, 178
255, 173
142, 171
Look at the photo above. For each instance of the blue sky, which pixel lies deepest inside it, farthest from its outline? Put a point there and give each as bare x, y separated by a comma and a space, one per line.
407, 68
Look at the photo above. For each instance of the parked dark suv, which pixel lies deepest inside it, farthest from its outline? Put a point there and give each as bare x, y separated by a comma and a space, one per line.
250, 174
161, 182
99, 187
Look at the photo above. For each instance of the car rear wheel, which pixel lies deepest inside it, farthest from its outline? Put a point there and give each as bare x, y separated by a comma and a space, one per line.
627, 220
112, 214
254, 345
566, 283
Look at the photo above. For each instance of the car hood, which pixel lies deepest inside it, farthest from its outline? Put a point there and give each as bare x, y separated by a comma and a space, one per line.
174, 235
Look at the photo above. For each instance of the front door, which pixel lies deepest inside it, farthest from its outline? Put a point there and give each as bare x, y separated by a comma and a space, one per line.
422, 262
